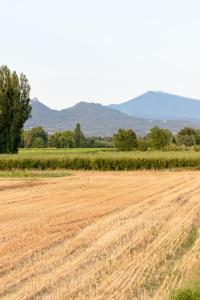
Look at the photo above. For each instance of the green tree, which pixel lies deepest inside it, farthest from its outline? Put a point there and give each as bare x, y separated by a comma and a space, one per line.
38, 142
158, 138
78, 136
15, 108
40, 135
187, 136
64, 139
125, 140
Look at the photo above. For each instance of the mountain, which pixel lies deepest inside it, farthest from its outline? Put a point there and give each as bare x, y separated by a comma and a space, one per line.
42, 115
95, 119
98, 120
161, 106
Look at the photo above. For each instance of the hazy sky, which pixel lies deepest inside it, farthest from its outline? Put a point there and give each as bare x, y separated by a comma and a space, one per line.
104, 51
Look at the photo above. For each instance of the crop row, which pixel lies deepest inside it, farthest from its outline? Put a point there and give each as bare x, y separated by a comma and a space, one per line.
98, 163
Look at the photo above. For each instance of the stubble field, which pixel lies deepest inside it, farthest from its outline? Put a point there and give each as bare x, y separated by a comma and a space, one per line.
98, 235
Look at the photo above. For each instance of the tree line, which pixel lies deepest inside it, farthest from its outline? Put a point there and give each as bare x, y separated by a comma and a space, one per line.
37, 137
157, 138
123, 140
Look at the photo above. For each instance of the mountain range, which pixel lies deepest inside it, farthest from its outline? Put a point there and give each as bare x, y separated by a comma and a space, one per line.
141, 113
161, 106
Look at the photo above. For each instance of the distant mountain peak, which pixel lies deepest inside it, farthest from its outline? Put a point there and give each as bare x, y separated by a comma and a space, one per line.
162, 92
84, 103
151, 92
35, 99
159, 105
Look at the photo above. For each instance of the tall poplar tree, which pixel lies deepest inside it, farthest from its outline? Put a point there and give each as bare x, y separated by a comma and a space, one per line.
15, 108
77, 135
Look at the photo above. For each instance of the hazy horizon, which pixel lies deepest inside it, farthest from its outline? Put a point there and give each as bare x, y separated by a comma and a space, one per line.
102, 51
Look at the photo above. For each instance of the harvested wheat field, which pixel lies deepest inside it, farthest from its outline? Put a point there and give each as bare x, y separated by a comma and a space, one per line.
98, 235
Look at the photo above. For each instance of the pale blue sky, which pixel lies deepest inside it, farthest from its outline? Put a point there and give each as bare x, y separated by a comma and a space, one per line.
106, 51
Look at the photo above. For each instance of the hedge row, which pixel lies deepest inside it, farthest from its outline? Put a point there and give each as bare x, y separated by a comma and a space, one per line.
99, 163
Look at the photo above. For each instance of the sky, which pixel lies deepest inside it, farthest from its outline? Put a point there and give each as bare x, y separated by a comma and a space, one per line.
106, 51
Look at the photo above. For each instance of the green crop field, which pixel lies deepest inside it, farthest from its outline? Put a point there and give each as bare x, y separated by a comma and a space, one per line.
98, 159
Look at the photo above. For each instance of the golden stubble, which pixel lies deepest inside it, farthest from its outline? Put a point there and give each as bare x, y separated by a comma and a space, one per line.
97, 235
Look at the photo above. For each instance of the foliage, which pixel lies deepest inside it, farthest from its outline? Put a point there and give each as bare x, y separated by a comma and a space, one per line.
188, 139
125, 140
159, 138
37, 137
94, 142
14, 108
78, 136
38, 142
39, 132
187, 136
99, 159
63, 139
142, 144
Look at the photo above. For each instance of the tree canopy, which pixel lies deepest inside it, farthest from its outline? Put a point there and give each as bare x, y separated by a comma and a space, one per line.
36, 137
14, 108
78, 135
188, 136
125, 140
64, 139
158, 138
